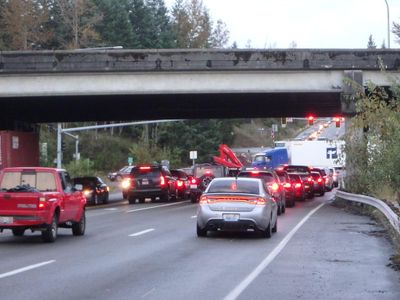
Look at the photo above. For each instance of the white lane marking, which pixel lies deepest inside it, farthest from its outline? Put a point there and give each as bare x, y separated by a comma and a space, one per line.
111, 208
148, 293
26, 269
193, 217
142, 232
267, 260
158, 206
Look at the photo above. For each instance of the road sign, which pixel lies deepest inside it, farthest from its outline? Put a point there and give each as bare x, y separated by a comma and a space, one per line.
193, 154
130, 160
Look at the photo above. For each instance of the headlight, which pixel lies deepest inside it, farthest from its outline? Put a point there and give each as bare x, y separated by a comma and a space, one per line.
87, 193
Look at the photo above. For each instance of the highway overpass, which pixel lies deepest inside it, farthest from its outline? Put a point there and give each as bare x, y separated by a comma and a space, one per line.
107, 85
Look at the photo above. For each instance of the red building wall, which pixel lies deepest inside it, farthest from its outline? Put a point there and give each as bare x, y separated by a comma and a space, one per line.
19, 149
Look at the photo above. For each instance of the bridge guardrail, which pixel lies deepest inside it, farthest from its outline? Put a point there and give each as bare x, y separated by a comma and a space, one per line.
393, 218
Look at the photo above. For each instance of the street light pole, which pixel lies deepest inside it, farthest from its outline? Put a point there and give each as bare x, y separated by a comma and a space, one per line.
388, 23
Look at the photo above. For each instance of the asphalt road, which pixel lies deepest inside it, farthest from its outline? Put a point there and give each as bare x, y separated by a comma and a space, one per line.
151, 251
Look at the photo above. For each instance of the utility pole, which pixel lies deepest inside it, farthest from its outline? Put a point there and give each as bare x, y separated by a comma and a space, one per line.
388, 23
59, 152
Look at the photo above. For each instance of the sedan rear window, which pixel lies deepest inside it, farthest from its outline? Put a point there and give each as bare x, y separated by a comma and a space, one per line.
234, 186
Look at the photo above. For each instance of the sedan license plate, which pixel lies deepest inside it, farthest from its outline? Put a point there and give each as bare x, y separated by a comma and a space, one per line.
145, 181
231, 217
6, 220
193, 186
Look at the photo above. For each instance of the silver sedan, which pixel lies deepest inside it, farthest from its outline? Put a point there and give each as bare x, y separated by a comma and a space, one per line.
237, 204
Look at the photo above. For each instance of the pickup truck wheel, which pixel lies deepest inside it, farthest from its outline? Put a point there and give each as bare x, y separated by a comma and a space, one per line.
18, 231
142, 200
49, 235
78, 228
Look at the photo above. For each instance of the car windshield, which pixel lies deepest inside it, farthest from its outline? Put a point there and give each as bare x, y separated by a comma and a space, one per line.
86, 182
19, 181
208, 170
267, 177
234, 186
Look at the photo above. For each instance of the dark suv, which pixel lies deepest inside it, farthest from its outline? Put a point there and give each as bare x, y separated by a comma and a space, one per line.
305, 174
150, 181
202, 174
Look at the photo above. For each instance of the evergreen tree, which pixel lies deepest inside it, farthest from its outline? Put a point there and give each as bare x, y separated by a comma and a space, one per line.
79, 20
396, 31
115, 28
371, 43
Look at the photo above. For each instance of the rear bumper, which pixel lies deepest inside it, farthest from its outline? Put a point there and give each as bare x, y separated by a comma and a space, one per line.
257, 219
147, 193
22, 221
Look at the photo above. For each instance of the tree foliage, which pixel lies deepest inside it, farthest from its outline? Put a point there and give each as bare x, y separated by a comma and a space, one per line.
375, 143
396, 31
23, 22
371, 43
194, 28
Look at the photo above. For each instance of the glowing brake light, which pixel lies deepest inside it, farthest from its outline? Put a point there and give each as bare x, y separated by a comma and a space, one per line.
144, 168
287, 185
208, 172
309, 179
179, 183
297, 185
42, 203
319, 180
162, 180
275, 187
255, 172
193, 181
205, 200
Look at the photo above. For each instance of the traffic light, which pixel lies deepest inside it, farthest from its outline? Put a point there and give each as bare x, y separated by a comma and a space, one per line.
63, 146
283, 121
337, 121
310, 120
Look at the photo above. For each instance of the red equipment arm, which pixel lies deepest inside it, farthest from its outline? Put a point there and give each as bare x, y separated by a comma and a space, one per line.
227, 158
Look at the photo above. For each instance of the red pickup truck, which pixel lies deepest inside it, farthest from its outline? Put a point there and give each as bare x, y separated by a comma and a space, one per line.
40, 199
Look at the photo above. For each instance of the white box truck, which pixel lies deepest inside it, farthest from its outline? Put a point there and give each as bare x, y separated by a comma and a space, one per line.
314, 153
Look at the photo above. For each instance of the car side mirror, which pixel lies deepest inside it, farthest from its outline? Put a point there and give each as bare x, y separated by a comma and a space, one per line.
78, 187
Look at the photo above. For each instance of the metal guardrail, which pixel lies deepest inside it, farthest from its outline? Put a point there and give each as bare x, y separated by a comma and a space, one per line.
393, 218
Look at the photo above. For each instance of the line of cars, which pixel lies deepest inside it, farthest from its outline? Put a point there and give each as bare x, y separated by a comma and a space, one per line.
252, 200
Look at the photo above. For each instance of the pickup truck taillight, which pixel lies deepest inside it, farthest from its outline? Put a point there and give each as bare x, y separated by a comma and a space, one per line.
42, 203
179, 183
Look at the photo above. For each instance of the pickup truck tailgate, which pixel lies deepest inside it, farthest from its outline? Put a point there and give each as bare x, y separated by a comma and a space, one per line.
18, 202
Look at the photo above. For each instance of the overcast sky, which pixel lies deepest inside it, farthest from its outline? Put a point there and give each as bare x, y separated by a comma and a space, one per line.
309, 23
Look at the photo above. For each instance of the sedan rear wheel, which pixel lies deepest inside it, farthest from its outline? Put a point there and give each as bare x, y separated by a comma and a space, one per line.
275, 228
201, 232
267, 233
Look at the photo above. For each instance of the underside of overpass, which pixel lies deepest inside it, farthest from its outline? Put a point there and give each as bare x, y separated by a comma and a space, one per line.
172, 106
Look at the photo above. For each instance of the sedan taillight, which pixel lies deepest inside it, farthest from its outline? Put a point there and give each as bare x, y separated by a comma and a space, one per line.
162, 180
